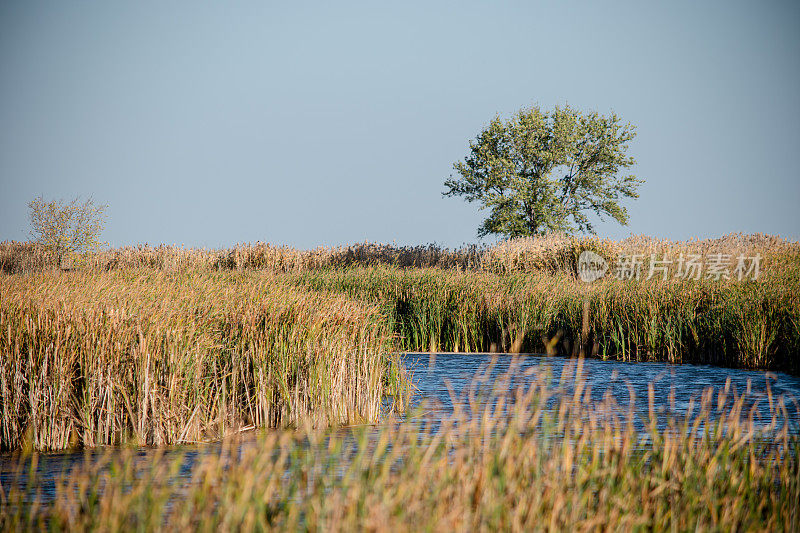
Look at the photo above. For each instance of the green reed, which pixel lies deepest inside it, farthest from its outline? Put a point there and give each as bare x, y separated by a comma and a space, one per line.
753, 324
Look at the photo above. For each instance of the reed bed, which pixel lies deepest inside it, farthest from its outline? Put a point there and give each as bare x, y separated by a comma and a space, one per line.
529, 459
749, 324
165, 345
286, 259
560, 253
552, 253
16, 257
96, 358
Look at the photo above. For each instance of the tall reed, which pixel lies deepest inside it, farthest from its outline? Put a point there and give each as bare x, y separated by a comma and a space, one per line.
91, 358
752, 324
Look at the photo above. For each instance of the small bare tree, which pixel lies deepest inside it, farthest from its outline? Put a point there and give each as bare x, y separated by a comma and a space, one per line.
67, 228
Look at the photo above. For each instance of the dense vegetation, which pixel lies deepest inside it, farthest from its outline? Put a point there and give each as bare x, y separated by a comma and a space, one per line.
739, 324
156, 346
93, 358
168, 345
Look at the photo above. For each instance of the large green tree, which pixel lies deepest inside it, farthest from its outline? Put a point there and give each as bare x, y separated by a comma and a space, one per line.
545, 171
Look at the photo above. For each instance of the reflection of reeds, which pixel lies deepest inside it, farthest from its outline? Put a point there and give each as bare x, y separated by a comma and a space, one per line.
512, 461
743, 324
97, 358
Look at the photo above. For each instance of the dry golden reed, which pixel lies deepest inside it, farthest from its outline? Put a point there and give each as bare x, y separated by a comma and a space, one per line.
553, 253
92, 358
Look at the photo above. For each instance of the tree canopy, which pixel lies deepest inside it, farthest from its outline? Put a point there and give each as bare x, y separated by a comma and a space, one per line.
66, 228
540, 172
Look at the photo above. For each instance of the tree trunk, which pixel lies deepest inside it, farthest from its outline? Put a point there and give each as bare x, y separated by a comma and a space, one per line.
532, 224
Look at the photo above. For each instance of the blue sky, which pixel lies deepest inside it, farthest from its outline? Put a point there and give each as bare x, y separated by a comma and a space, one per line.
317, 124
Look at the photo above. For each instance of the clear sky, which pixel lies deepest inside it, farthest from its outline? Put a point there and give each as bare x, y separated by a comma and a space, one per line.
304, 124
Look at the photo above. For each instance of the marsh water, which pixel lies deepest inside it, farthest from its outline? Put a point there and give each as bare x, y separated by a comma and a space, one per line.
441, 379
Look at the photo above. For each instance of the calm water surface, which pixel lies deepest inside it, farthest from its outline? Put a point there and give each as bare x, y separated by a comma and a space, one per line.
444, 375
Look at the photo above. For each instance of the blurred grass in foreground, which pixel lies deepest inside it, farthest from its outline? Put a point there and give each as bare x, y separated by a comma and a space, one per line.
537, 458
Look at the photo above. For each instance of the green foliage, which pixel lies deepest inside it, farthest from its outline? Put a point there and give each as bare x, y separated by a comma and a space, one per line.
540, 172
